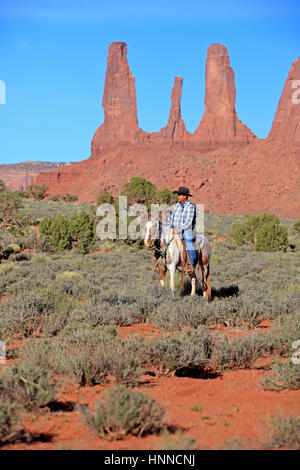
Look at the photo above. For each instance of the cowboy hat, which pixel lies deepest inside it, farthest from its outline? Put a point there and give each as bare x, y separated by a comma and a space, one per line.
182, 191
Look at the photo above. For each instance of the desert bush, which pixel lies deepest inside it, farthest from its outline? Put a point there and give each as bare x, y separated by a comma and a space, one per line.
170, 354
104, 198
37, 192
122, 412
286, 375
174, 315
69, 275
284, 431
284, 330
263, 230
83, 360
139, 191
125, 363
177, 441
69, 198
32, 312
29, 386
56, 232
7, 268
165, 196
78, 231
271, 236
54, 197
8, 420
296, 227
83, 231
36, 352
239, 352
238, 233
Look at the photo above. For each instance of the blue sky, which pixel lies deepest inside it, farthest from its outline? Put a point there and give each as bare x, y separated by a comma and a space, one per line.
53, 62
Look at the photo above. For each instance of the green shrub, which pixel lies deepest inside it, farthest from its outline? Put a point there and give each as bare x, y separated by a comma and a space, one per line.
296, 227
122, 412
170, 354
271, 237
33, 312
263, 230
8, 420
29, 386
239, 352
104, 198
139, 191
37, 192
165, 196
54, 197
14, 247
57, 232
68, 275
285, 432
238, 233
178, 441
83, 231
69, 198
84, 361
10, 217
286, 375
78, 231
282, 333
125, 362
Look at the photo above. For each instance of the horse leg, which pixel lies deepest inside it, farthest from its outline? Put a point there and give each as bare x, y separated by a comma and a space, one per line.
204, 285
207, 291
208, 282
194, 284
172, 270
162, 275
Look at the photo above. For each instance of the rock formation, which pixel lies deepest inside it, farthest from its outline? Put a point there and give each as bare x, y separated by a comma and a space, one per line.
18, 176
220, 124
119, 102
175, 131
223, 163
286, 124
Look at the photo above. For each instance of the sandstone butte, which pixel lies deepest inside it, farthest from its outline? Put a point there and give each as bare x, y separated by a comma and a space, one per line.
223, 163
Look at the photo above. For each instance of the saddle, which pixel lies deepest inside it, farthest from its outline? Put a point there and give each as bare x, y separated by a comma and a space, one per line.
186, 264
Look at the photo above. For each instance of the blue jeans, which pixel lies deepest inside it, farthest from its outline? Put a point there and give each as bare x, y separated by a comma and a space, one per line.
188, 237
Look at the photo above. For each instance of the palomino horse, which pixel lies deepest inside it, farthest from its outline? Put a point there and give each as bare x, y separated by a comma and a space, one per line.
170, 247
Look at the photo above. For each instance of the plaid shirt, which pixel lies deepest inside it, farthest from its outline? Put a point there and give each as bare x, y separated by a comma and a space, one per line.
183, 216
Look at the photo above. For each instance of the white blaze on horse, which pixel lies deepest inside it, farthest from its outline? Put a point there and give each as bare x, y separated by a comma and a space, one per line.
168, 249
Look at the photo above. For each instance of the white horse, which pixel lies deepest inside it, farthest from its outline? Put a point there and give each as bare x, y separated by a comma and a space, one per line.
168, 247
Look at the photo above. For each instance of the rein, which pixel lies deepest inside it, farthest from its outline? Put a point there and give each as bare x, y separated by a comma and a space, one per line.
163, 253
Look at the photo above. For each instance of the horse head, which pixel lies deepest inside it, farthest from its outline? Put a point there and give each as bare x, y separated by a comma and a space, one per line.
153, 232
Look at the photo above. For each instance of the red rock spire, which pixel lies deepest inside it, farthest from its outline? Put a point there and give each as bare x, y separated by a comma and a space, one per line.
286, 124
220, 123
119, 102
175, 130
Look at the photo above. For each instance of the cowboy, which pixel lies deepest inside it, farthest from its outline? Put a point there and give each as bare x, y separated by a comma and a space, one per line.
183, 220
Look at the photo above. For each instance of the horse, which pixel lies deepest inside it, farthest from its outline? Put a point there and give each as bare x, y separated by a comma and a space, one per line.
169, 246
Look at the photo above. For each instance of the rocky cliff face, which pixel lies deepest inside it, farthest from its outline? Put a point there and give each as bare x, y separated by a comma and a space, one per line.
224, 164
20, 175
286, 124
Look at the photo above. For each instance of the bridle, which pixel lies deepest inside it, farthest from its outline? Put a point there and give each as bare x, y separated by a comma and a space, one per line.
161, 252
